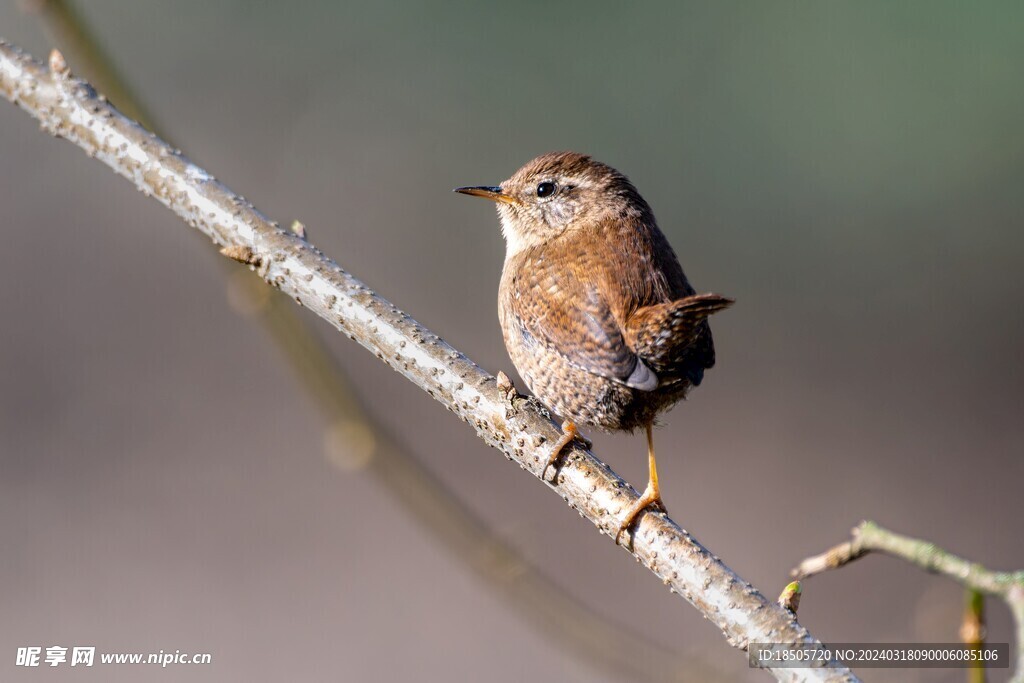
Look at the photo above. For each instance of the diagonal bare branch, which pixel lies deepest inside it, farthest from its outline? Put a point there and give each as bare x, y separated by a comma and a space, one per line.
567, 621
520, 428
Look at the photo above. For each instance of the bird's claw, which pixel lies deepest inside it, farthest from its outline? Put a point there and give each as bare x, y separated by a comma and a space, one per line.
569, 434
649, 501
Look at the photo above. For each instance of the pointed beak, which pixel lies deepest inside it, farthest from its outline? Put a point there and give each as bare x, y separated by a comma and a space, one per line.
495, 194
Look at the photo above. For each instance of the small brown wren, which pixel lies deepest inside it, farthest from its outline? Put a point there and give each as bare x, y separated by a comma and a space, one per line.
596, 312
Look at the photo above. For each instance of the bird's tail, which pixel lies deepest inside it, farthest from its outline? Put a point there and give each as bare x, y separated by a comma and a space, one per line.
668, 333
699, 306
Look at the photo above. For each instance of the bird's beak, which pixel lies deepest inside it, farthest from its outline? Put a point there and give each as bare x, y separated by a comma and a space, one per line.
495, 194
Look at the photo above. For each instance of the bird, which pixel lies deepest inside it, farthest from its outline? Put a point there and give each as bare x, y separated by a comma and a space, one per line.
596, 313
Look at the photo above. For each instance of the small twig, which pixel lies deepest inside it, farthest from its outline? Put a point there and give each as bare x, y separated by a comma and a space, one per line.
71, 109
241, 254
972, 632
868, 537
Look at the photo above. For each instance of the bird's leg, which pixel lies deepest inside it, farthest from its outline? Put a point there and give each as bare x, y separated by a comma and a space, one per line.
569, 434
651, 495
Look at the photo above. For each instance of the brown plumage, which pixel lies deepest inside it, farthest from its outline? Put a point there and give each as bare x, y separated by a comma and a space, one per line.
596, 312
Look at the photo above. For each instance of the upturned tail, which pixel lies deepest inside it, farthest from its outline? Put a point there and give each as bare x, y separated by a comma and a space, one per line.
674, 337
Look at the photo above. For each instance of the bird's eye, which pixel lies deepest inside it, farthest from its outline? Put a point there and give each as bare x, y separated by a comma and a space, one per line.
545, 189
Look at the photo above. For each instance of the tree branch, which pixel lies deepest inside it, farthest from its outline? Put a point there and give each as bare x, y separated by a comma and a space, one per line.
868, 537
594, 639
519, 427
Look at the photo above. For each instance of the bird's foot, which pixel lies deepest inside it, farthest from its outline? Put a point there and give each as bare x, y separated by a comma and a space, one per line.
648, 501
569, 434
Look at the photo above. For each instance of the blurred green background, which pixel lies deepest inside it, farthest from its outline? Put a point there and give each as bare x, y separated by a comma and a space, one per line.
850, 172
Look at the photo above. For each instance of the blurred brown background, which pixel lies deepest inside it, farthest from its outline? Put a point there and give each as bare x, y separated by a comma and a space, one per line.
850, 172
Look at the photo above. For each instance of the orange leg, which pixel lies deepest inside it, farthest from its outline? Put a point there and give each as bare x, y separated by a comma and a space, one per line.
651, 495
569, 434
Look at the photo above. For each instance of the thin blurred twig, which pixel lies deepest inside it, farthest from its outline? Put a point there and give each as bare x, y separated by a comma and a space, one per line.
370, 446
69, 108
972, 632
66, 29
868, 537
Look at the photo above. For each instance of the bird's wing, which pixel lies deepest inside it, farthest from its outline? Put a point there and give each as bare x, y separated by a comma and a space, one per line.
560, 306
662, 319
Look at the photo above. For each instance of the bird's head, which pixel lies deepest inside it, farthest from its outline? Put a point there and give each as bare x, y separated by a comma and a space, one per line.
558, 192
